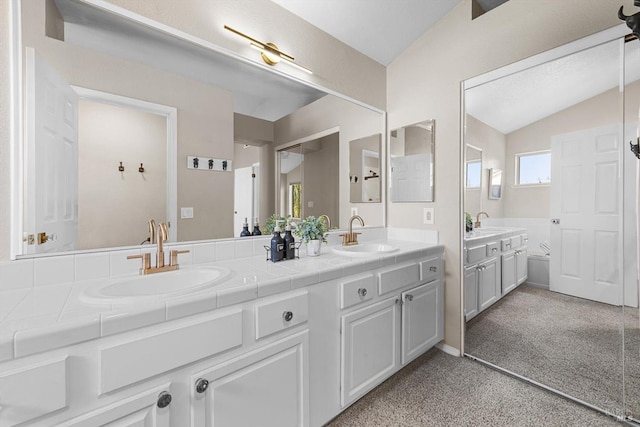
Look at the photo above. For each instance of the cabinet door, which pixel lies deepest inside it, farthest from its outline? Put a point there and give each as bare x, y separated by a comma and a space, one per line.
148, 409
265, 387
370, 344
488, 283
508, 272
422, 319
470, 292
521, 265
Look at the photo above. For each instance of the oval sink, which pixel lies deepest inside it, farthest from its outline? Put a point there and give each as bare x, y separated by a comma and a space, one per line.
159, 285
366, 249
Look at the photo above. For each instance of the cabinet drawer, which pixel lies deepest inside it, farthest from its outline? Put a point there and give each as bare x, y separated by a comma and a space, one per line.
275, 316
492, 249
476, 253
357, 290
143, 357
516, 241
505, 244
430, 269
398, 277
32, 391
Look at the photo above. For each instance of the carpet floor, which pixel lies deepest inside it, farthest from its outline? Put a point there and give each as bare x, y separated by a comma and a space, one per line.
439, 390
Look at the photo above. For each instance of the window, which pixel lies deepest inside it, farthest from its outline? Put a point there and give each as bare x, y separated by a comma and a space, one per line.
295, 200
473, 174
533, 168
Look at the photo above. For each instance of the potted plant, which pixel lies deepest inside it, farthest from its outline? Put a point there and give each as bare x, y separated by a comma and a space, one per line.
271, 223
312, 232
468, 222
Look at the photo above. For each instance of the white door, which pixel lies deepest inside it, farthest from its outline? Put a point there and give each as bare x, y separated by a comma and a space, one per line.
411, 178
509, 279
243, 198
489, 286
586, 197
470, 292
51, 155
422, 314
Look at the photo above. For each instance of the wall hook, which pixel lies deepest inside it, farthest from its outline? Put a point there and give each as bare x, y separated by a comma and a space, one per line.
141, 168
635, 149
121, 168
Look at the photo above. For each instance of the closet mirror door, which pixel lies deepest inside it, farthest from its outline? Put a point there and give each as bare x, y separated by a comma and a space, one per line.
631, 242
556, 312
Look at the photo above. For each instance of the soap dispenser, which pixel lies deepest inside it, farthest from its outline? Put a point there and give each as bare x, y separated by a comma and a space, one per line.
277, 244
245, 229
289, 243
256, 228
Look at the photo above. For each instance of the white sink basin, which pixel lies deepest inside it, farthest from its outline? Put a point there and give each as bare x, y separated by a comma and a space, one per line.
159, 285
366, 249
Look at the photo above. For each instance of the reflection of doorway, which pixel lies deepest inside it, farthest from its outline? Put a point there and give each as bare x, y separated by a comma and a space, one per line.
246, 196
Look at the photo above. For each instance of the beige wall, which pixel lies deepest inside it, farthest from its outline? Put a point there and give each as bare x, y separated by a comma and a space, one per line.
320, 181
424, 83
108, 135
354, 122
492, 143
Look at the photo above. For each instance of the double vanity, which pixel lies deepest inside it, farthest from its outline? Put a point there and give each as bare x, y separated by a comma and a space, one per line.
240, 342
495, 263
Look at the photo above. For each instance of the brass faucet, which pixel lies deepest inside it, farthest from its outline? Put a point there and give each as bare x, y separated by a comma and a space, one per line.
327, 220
477, 224
146, 258
351, 238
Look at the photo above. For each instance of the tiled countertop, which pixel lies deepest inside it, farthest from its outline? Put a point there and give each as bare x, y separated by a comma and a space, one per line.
38, 319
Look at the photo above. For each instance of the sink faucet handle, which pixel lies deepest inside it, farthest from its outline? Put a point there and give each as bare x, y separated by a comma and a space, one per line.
146, 260
174, 255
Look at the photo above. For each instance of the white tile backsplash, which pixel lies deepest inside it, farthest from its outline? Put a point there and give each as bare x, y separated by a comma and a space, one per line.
244, 248
204, 252
119, 264
92, 266
225, 250
37, 340
16, 274
53, 270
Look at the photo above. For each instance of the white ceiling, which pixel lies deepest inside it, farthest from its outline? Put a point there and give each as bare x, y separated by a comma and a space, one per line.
380, 29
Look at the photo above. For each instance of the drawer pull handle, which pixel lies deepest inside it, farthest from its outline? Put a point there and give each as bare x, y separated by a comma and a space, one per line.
409, 297
164, 399
202, 385
362, 292
287, 316
494, 249
433, 268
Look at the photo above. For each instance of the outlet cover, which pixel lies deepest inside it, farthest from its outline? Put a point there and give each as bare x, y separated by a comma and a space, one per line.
427, 216
186, 213
354, 211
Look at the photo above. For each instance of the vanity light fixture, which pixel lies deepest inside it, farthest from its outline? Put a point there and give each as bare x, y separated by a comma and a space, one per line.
270, 53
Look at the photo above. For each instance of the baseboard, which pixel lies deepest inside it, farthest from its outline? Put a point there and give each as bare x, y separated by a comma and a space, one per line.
448, 349
537, 285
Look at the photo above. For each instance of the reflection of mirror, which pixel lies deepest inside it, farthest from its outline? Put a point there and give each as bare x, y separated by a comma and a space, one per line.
495, 184
473, 179
364, 169
226, 109
412, 162
570, 303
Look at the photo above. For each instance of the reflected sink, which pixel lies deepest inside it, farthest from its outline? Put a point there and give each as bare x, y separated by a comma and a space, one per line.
159, 285
483, 232
365, 249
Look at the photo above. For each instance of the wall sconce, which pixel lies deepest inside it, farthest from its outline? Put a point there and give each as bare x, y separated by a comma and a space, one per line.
270, 53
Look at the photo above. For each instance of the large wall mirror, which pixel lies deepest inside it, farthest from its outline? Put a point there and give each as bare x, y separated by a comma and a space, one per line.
411, 162
365, 181
143, 124
556, 130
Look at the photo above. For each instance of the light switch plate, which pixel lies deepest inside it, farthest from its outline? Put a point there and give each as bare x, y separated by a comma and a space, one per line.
427, 216
186, 213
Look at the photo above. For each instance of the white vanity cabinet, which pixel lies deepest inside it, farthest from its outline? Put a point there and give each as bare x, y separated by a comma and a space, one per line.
267, 387
488, 283
381, 337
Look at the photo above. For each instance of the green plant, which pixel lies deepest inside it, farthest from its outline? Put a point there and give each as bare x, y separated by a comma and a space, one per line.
311, 228
271, 223
468, 221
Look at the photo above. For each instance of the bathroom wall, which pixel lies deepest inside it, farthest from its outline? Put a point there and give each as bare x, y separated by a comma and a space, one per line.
107, 135
320, 180
424, 83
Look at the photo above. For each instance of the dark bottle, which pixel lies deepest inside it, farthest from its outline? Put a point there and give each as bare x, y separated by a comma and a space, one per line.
277, 245
289, 243
245, 229
256, 229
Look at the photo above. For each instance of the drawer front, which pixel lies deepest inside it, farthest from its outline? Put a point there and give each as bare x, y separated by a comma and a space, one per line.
476, 253
146, 356
431, 268
516, 241
32, 392
281, 314
525, 239
505, 245
398, 277
357, 290
492, 249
